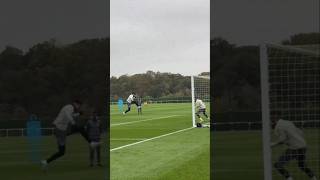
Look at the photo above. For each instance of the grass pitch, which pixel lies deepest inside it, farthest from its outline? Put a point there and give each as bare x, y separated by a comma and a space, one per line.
15, 163
182, 155
151, 146
239, 154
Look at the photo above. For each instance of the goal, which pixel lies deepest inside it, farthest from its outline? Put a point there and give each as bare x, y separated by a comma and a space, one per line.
200, 89
290, 84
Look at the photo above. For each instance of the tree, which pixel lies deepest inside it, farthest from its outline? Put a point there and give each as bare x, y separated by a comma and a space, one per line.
303, 39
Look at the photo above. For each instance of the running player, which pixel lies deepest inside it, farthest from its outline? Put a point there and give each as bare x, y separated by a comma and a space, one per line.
130, 100
63, 121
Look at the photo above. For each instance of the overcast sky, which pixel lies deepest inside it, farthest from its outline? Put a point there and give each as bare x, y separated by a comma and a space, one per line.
26, 22
160, 35
254, 21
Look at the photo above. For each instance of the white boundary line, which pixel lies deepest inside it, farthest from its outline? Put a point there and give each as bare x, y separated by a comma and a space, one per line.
157, 137
127, 139
132, 122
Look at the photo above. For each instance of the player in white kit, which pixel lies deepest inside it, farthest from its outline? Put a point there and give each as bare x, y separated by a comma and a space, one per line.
288, 134
201, 109
130, 100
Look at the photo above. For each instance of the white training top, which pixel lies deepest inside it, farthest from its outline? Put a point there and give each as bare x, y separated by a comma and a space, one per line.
130, 98
64, 117
289, 134
200, 104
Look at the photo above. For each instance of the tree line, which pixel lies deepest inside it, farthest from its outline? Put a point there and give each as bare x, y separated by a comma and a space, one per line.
47, 76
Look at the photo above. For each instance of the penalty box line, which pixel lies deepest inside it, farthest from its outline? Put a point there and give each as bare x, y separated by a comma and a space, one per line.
150, 139
132, 122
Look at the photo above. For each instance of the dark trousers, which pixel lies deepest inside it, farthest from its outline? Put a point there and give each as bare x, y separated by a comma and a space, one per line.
291, 154
95, 152
61, 137
203, 111
129, 106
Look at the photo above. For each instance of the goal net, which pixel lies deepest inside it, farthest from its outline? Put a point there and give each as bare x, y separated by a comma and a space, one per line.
290, 85
200, 89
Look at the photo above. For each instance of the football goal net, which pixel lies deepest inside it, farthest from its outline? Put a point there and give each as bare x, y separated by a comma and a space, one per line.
200, 89
290, 86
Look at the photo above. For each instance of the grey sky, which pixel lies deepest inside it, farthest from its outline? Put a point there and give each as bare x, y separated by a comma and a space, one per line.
173, 30
159, 35
24, 23
254, 21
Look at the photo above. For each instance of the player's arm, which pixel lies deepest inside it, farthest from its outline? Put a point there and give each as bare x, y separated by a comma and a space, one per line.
281, 134
197, 104
69, 115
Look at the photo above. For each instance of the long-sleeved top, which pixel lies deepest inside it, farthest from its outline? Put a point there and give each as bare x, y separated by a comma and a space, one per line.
289, 134
64, 118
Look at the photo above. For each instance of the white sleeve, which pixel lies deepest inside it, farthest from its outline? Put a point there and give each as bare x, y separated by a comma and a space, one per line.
197, 104
68, 113
281, 134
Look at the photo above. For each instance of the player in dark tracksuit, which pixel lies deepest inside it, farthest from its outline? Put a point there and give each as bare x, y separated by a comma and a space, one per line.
139, 105
94, 129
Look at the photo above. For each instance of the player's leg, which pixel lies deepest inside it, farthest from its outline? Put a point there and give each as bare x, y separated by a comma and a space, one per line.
61, 137
283, 160
98, 148
204, 113
84, 133
129, 108
61, 141
76, 129
92, 150
198, 115
60, 153
301, 157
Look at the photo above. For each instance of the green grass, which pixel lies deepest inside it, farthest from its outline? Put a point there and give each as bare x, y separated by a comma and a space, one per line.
184, 155
239, 154
15, 165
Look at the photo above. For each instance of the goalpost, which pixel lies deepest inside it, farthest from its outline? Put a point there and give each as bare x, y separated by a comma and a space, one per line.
290, 84
200, 89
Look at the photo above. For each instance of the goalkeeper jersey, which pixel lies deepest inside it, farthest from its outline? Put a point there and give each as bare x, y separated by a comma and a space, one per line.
200, 104
289, 134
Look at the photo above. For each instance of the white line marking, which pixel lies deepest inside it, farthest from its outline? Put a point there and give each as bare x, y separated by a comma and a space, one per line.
127, 139
157, 137
132, 122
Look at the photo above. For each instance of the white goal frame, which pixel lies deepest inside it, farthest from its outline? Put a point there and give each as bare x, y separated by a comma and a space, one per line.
193, 97
265, 101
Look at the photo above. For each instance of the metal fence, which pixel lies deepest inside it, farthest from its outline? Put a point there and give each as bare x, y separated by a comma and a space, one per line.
228, 126
23, 132
248, 126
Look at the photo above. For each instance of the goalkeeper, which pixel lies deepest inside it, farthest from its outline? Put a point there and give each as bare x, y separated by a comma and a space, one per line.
201, 110
291, 136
